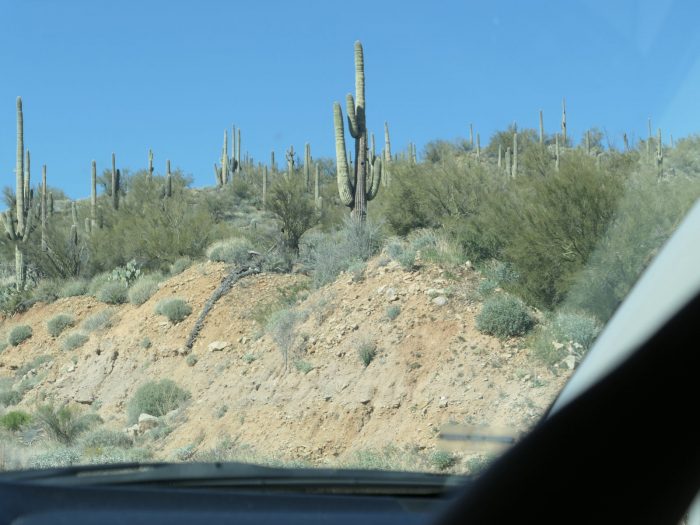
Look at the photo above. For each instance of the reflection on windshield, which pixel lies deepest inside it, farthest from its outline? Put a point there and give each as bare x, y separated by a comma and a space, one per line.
393, 307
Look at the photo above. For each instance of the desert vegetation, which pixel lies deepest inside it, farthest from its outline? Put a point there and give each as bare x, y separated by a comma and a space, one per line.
558, 232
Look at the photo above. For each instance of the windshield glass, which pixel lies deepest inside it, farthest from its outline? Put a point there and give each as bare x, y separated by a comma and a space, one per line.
304, 234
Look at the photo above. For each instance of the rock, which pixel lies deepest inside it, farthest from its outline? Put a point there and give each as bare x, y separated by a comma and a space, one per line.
146, 422
443, 402
218, 346
132, 431
390, 294
570, 362
440, 300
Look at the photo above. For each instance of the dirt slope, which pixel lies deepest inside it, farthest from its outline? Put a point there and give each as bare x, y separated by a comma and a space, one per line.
431, 367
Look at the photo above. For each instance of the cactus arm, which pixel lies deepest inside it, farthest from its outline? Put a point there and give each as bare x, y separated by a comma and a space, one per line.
9, 223
352, 116
346, 189
360, 83
376, 178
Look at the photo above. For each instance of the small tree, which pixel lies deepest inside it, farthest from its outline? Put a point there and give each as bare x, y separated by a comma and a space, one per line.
295, 210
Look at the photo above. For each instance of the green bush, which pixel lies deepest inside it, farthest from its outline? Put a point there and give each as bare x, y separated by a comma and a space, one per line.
326, 255
442, 459
294, 209
357, 271
174, 309
113, 292
47, 291
191, 360
366, 350
3, 344
156, 398
73, 288
231, 251
10, 397
504, 316
97, 282
303, 366
143, 289
577, 328
19, 334
281, 325
102, 437
393, 311
74, 340
64, 424
180, 265
99, 320
15, 420
58, 323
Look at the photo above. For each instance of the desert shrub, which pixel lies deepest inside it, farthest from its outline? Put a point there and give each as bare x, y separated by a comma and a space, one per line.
281, 325
294, 209
326, 255
303, 366
191, 360
231, 251
14, 301
442, 459
401, 252
565, 333
58, 323
14, 420
174, 309
504, 316
168, 228
10, 397
3, 344
393, 311
55, 458
65, 423
486, 287
366, 351
97, 282
436, 247
357, 271
19, 333
560, 220
180, 265
74, 340
142, 290
73, 288
156, 398
102, 437
47, 291
113, 292
99, 320
146, 343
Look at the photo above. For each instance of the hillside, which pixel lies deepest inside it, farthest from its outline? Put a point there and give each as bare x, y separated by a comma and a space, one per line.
431, 367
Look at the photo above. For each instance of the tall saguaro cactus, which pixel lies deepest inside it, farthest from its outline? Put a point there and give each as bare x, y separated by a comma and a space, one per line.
168, 180
93, 197
18, 228
150, 163
290, 161
307, 166
356, 190
115, 183
563, 120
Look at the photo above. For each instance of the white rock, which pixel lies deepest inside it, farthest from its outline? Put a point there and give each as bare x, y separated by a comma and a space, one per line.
147, 421
570, 362
443, 402
217, 346
440, 300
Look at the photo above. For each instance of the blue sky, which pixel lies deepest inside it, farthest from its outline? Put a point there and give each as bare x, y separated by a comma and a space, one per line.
126, 76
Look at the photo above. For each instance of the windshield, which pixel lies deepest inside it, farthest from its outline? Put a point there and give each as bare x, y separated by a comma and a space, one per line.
313, 235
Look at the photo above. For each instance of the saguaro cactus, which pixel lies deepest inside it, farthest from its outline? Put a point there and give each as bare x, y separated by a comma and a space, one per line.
659, 153
290, 161
264, 186
150, 163
500, 156
168, 180
115, 183
563, 120
44, 245
18, 228
356, 190
515, 152
273, 164
93, 197
307, 166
